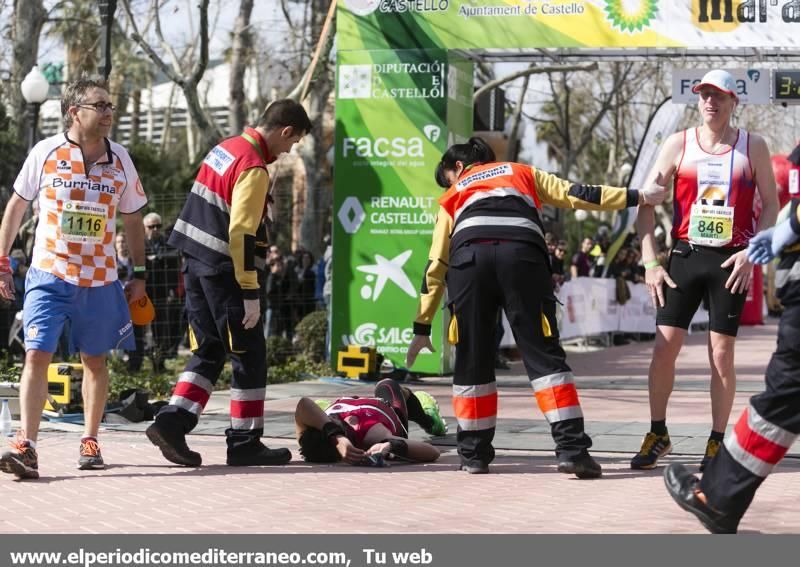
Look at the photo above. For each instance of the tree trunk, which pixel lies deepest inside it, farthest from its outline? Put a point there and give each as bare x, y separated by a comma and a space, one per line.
513, 139
29, 17
299, 184
119, 96
313, 149
241, 49
208, 133
136, 119
191, 146
166, 130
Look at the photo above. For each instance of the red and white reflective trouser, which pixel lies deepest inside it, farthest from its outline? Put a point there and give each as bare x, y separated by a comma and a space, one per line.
215, 311
764, 432
514, 276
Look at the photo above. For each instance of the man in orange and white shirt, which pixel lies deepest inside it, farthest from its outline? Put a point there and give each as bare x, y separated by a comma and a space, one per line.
81, 180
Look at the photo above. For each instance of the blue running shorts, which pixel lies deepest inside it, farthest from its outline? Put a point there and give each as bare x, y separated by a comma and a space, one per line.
99, 317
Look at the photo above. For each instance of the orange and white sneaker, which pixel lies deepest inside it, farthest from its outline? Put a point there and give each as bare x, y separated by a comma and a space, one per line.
22, 460
91, 458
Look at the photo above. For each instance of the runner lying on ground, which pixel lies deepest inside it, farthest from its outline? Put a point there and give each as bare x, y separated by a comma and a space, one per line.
368, 431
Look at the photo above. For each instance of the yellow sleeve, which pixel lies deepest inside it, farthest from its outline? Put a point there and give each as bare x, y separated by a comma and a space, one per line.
433, 283
247, 208
555, 191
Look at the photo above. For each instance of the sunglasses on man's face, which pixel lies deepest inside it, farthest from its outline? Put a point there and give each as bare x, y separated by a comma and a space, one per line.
153, 226
97, 106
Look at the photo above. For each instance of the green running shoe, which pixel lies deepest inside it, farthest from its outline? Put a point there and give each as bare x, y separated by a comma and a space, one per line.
431, 408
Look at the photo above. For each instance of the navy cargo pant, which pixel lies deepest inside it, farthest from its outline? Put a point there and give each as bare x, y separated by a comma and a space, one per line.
215, 309
482, 277
765, 430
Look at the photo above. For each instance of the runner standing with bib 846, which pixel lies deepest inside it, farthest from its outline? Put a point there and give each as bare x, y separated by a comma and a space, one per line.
717, 171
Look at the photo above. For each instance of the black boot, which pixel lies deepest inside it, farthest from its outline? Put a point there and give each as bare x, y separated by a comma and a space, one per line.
582, 466
258, 455
168, 434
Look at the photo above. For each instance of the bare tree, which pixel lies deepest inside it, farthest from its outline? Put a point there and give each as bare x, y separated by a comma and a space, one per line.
532, 70
241, 53
575, 112
516, 118
187, 80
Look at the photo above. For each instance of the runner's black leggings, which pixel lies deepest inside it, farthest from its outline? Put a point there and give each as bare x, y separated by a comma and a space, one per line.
404, 403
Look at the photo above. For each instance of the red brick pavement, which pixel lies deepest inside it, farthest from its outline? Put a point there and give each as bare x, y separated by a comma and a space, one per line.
141, 493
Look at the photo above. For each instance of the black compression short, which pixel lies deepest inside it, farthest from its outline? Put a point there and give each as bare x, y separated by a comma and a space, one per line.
696, 271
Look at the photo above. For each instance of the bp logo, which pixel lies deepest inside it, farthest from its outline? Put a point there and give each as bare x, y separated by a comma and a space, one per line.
631, 15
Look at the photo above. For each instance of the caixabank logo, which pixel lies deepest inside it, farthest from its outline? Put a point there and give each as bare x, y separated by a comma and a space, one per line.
728, 15
367, 7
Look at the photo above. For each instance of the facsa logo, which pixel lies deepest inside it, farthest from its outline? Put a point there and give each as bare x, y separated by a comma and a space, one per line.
384, 270
382, 147
370, 334
432, 132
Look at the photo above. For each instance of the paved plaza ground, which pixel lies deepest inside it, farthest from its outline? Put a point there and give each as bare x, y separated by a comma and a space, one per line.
139, 492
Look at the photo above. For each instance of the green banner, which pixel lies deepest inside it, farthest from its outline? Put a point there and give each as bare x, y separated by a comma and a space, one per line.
395, 113
516, 24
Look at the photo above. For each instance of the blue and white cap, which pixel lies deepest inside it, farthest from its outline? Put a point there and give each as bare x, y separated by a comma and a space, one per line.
720, 80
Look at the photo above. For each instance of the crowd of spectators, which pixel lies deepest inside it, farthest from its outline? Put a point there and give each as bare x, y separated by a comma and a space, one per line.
590, 259
296, 285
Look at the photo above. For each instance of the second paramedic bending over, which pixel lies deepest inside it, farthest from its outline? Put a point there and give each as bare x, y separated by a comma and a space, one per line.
489, 243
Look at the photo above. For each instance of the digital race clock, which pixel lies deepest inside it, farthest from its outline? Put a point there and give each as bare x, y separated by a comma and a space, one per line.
786, 84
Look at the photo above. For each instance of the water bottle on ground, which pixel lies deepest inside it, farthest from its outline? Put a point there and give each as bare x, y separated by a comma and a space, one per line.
5, 420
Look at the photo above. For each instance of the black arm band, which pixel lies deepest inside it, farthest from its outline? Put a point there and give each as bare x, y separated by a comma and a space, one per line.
140, 276
632, 199
398, 447
331, 430
422, 329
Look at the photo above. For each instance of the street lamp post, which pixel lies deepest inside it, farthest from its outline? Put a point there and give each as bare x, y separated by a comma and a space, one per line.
34, 90
107, 9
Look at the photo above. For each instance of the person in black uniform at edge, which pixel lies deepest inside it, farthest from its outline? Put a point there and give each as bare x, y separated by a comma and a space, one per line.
489, 243
771, 422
